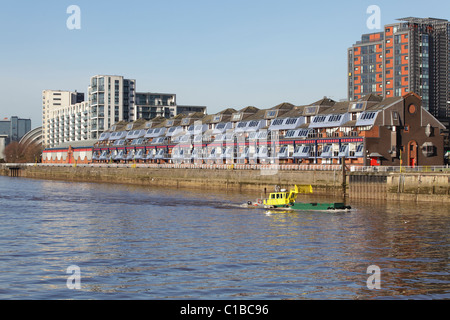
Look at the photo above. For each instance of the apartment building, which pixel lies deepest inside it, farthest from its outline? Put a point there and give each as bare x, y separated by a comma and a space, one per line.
66, 117
111, 99
151, 105
411, 55
53, 100
68, 123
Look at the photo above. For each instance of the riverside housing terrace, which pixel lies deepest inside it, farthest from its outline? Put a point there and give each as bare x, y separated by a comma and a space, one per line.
370, 131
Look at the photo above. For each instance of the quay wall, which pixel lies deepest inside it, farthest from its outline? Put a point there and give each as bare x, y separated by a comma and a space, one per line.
323, 182
409, 186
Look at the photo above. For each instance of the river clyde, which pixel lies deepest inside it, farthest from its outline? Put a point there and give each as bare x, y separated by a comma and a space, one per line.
133, 242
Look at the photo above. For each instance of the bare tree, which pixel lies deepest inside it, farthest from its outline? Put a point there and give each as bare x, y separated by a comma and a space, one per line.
23, 153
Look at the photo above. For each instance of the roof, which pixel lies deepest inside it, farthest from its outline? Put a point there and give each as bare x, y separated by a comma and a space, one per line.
339, 107
77, 144
323, 102
259, 115
371, 97
139, 124
296, 112
120, 126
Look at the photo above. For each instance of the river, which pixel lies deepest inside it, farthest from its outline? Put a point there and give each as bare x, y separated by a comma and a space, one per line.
131, 242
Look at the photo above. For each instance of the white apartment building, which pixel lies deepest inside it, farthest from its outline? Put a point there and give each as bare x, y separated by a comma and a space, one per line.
69, 124
53, 100
112, 99
66, 117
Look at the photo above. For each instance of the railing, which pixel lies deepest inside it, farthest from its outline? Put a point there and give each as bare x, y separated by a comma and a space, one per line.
399, 169
279, 167
296, 167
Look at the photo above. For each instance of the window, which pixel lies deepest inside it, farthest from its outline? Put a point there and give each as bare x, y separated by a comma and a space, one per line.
319, 119
311, 110
290, 134
262, 135
357, 106
277, 122
291, 121
334, 118
253, 124
368, 116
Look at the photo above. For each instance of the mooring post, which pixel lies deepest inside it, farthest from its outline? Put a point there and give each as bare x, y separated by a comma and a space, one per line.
344, 178
14, 171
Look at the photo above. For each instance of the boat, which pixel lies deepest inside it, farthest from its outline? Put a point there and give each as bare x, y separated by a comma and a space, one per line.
286, 200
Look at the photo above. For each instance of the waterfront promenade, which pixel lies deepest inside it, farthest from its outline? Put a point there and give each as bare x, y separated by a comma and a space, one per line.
392, 183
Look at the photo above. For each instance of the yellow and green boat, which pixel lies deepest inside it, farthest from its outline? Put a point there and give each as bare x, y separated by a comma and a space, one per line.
283, 199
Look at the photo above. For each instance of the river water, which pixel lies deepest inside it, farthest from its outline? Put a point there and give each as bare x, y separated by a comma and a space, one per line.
133, 242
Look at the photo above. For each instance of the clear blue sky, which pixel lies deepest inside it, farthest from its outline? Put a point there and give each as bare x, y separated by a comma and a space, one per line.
215, 53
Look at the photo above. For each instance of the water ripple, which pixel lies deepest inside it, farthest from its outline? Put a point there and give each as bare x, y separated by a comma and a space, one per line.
140, 243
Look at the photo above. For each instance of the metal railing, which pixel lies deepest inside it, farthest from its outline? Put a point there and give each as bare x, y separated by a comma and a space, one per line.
280, 167
399, 169
296, 167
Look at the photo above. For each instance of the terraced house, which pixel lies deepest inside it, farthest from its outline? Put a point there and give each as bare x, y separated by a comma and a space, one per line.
369, 131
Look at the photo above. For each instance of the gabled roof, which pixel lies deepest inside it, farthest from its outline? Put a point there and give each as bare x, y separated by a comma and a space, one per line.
383, 104
296, 112
371, 97
259, 115
337, 108
227, 111
249, 109
120, 126
324, 102
139, 124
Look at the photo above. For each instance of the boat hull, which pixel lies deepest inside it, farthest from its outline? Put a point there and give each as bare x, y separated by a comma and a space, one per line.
317, 206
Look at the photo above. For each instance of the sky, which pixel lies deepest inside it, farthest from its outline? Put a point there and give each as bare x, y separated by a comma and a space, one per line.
219, 54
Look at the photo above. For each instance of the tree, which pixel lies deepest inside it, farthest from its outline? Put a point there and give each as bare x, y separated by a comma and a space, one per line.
23, 153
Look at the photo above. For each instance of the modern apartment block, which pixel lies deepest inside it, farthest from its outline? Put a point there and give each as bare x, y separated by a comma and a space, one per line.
111, 99
411, 55
54, 103
68, 123
151, 105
